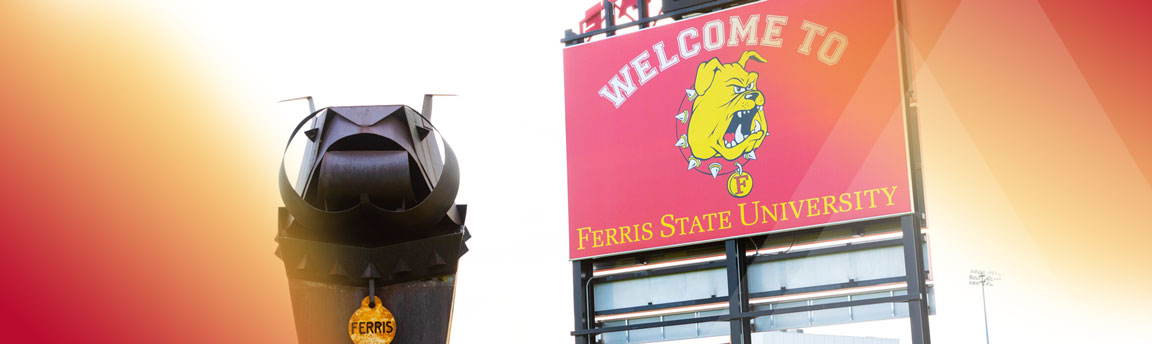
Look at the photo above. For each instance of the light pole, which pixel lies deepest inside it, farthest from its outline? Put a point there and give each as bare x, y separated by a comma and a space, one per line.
984, 278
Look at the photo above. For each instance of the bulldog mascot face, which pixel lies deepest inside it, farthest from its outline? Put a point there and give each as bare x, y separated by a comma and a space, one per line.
728, 112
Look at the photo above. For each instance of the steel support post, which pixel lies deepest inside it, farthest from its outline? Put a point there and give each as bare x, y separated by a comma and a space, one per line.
741, 330
642, 8
914, 270
582, 300
610, 17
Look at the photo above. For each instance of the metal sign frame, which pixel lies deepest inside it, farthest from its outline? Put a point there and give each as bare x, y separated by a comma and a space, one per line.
736, 263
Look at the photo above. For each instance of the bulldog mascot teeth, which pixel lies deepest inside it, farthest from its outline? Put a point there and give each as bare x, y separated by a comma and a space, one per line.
727, 117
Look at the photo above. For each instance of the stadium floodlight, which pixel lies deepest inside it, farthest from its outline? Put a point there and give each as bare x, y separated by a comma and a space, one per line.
984, 278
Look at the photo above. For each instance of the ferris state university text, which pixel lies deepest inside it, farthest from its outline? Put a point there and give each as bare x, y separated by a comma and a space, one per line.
749, 214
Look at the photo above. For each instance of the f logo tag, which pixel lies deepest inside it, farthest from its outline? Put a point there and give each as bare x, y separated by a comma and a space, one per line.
739, 184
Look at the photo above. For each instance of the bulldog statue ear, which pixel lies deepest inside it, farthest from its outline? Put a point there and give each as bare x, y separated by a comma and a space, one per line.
705, 74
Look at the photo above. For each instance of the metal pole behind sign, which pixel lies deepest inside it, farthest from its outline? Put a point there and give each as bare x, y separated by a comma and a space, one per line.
582, 301
642, 9
914, 271
740, 329
610, 17
911, 224
911, 115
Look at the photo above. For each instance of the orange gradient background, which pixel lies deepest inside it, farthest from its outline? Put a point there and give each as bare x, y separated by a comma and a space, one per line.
139, 192
136, 209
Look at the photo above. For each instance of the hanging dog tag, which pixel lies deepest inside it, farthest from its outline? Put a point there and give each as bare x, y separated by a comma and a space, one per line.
372, 325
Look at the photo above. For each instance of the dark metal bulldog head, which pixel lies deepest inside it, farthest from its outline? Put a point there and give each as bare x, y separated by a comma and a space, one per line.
372, 175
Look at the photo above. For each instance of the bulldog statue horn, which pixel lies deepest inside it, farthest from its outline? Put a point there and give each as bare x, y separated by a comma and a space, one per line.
373, 213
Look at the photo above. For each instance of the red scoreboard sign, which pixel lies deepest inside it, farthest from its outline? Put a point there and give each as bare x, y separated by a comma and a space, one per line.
771, 116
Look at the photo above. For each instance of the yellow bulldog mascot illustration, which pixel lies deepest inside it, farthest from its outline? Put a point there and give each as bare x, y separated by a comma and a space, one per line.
727, 114
726, 121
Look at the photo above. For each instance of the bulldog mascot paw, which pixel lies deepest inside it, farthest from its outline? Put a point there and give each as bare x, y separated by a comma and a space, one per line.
728, 112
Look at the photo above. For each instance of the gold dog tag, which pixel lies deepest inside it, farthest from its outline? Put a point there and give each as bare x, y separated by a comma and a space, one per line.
372, 325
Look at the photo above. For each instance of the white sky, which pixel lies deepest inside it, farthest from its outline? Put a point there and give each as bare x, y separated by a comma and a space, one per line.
507, 127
